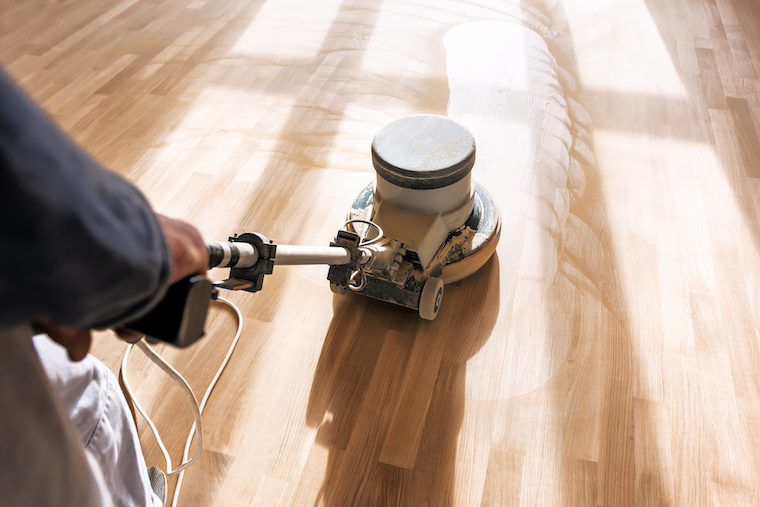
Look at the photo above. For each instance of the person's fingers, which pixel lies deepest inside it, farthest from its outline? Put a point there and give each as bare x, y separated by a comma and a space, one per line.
186, 246
128, 335
79, 345
76, 341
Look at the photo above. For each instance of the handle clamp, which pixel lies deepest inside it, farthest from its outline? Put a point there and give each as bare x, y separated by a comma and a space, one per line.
251, 279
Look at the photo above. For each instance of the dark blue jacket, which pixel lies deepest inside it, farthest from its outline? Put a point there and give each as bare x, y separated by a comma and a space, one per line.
78, 244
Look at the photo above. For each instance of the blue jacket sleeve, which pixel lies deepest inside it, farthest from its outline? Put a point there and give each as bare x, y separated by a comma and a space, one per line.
78, 244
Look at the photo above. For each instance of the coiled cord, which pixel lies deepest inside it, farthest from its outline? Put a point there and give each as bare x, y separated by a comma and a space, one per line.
197, 408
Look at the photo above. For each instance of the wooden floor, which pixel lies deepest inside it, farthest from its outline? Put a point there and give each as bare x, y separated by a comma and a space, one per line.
609, 354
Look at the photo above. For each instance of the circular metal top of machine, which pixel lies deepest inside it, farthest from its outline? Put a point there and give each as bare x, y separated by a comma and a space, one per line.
423, 151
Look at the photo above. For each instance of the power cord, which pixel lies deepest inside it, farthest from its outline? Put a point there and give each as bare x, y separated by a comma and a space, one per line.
197, 408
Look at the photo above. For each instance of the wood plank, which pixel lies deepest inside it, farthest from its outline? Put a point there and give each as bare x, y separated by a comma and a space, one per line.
608, 355
746, 134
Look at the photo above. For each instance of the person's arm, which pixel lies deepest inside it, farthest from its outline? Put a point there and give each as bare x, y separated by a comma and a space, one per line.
79, 246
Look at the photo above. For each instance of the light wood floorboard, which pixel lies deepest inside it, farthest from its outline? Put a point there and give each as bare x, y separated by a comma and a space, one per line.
608, 355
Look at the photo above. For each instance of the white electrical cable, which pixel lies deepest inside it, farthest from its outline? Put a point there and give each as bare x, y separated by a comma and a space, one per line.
210, 388
196, 428
179, 379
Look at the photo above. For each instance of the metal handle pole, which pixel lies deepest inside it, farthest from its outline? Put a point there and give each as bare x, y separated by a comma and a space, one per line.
244, 255
292, 255
222, 254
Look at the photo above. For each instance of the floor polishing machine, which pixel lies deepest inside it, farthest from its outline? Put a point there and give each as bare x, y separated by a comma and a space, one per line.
423, 223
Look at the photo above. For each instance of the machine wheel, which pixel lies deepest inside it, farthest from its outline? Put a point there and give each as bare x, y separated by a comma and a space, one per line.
430, 300
337, 289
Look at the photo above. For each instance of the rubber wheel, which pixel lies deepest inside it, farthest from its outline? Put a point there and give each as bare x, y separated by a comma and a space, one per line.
430, 299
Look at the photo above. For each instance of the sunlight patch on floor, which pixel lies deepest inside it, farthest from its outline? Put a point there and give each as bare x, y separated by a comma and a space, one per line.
636, 58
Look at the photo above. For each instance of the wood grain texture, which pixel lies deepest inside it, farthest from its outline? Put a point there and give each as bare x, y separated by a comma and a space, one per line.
607, 355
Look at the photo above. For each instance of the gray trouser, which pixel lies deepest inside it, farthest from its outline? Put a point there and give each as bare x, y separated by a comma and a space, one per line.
66, 434
43, 461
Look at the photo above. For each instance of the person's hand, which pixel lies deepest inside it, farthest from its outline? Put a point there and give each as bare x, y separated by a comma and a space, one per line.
186, 247
75, 341
188, 256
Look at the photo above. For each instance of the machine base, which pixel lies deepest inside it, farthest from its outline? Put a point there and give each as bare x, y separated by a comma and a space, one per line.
465, 251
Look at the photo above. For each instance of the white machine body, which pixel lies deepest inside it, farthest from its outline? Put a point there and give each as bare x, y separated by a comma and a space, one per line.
422, 219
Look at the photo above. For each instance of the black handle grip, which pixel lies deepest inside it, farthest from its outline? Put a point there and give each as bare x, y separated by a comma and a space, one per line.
180, 317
